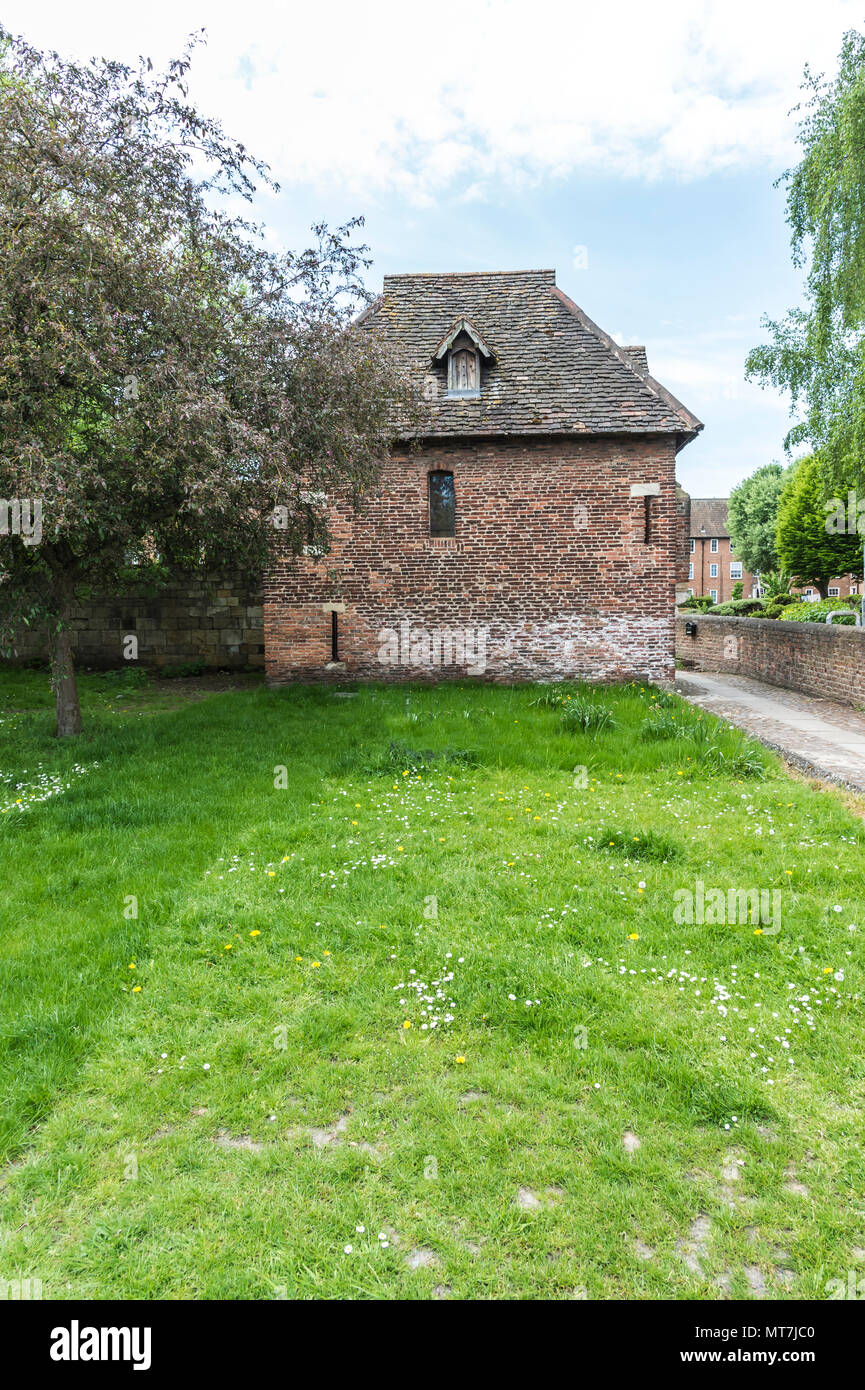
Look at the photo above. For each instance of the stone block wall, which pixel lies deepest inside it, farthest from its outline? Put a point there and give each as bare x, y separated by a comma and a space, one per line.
214, 618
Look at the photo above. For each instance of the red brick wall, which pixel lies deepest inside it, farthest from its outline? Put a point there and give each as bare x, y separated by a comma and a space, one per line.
809, 657
549, 563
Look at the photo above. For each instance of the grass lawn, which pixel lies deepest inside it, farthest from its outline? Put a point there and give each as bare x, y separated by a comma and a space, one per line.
240, 1093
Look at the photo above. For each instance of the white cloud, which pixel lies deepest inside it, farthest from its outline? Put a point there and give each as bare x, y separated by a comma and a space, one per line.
394, 98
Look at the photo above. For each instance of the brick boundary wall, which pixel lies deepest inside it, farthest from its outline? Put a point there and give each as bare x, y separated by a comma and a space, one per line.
812, 658
215, 618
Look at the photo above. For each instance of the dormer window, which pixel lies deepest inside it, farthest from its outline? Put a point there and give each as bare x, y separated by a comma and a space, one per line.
465, 350
464, 376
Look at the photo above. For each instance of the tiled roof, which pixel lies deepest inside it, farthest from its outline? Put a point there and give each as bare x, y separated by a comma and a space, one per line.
552, 369
709, 516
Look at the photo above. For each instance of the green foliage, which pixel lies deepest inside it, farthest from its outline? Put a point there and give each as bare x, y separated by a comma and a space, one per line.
697, 603
125, 677
817, 353
555, 696
645, 844
399, 759
172, 380
587, 716
775, 585
752, 517
816, 612
708, 751
778, 607
806, 548
738, 590
176, 670
738, 608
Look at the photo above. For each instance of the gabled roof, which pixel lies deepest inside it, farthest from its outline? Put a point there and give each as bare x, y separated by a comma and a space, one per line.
709, 517
552, 371
462, 325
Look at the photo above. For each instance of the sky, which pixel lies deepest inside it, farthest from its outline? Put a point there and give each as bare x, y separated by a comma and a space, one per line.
633, 148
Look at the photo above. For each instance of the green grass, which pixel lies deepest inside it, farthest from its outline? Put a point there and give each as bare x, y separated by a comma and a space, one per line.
206, 1099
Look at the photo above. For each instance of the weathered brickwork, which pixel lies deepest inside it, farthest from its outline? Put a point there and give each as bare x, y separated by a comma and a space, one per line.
213, 618
813, 658
549, 572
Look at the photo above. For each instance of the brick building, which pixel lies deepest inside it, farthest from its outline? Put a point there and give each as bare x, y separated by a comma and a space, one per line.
712, 565
528, 529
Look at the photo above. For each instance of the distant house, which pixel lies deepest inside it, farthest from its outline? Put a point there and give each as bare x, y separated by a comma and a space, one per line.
527, 529
713, 568
712, 565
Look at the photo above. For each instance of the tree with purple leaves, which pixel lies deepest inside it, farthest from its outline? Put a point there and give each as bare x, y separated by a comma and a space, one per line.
171, 388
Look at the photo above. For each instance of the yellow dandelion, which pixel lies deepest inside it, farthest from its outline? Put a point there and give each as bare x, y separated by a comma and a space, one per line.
633, 936
407, 1024
136, 989
316, 964
461, 1059
255, 933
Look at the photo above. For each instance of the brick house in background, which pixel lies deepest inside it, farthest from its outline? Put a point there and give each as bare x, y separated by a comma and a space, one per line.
528, 530
712, 565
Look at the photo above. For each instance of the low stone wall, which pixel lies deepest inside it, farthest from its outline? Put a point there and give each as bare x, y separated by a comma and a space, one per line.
214, 618
813, 658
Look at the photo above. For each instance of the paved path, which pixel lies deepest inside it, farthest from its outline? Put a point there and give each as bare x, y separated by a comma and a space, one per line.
821, 737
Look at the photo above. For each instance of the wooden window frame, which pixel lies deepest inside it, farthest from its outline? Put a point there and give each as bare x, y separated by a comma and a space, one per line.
454, 390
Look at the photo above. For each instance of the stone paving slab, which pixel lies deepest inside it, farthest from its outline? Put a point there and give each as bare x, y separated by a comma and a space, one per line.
821, 737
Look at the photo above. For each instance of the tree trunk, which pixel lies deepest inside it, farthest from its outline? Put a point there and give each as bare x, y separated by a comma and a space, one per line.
63, 681
822, 587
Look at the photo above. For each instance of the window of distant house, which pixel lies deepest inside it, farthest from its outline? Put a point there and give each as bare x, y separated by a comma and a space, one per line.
464, 372
693, 546
442, 504
713, 545
713, 571
713, 595
691, 570
735, 569
835, 593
